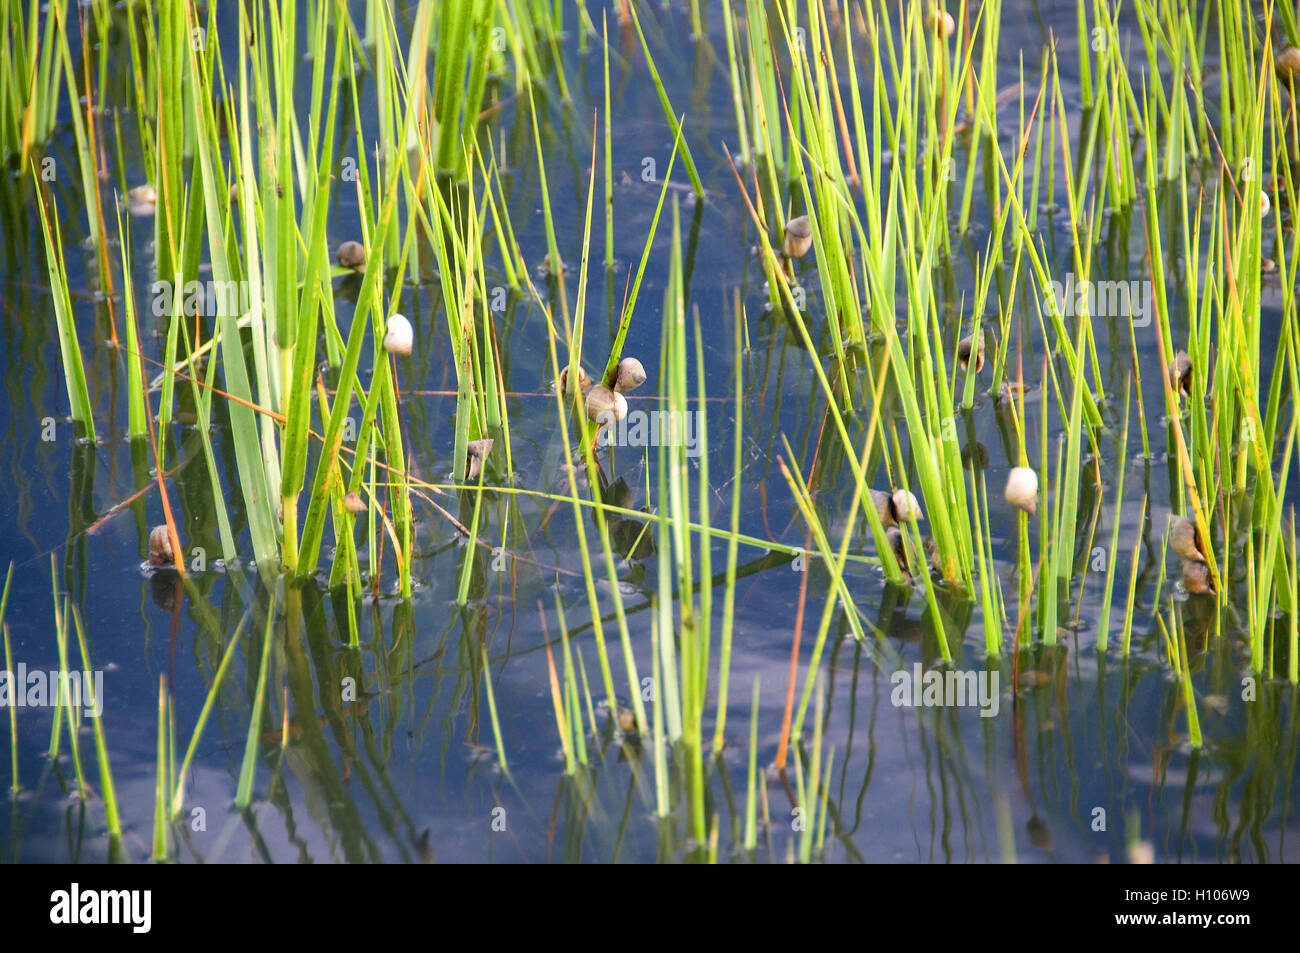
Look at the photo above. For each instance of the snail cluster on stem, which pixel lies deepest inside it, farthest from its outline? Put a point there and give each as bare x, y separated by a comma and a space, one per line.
897, 506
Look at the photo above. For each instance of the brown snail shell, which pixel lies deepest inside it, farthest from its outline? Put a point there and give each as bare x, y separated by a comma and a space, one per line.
584, 381
476, 455
906, 507
1287, 63
626, 721
895, 537
798, 237
1180, 374
604, 405
160, 547
941, 22
1196, 578
964, 348
1185, 540
932, 553
631, 375
352, 255
898, 506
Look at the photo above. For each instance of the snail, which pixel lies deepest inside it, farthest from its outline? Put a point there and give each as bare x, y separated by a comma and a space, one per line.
964, 348
142, 200
896, 507
1185, 540
1039, 833
1265, 204
941, 22
631, 375
895, 537
1287, 62
477, 452
1196, 578
352, 255
1022, 489
353, 503
547, 271
584, 381
798, 237
400, 336
604, 405
160, 547
1180, 374
626, 721
932, 553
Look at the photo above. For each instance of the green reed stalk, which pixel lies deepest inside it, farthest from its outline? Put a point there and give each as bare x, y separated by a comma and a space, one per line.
251, 465
607, 130
178, 793
589, 581
248, 767
673, 121
74, 373
107, 791
1127, 637
751, 775
160, 777
492, 710
733, 541
1112, 557
558, 706
625, 320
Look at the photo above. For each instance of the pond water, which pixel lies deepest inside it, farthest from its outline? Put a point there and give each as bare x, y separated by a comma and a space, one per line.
384, 750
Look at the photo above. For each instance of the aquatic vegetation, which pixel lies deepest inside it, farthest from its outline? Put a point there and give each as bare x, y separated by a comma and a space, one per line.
1055, 278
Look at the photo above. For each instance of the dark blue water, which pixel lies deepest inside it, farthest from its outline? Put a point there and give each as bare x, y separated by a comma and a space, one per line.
399, 764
